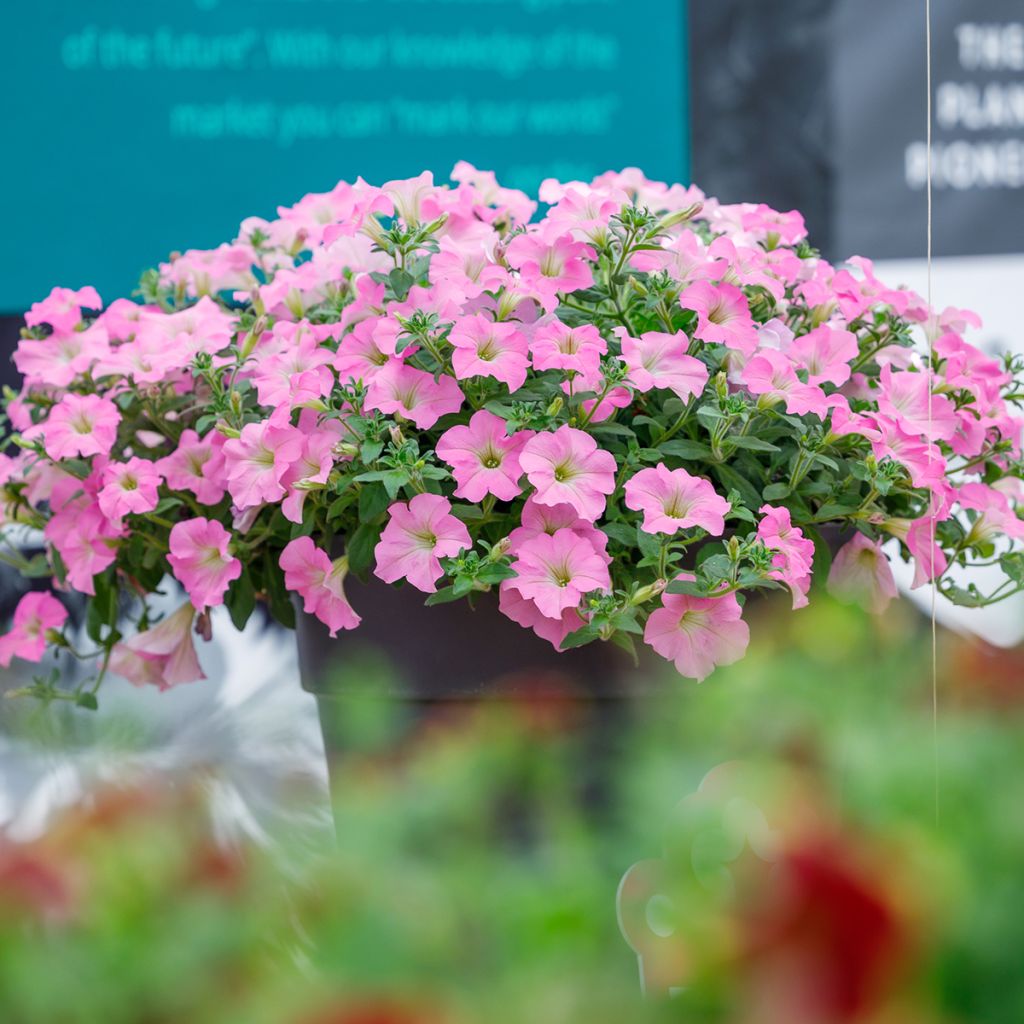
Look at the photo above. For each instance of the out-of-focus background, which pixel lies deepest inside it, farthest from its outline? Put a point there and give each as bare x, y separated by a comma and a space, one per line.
133, 130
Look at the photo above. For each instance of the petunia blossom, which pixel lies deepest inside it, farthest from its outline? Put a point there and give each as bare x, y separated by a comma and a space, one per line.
557, 346
36, 613
62, 308
484, 348
771, 375
861, 573
129, 487
905, 397
792, 552
723, 315
697, 633
484, 459
673, 500
417, 536
258, 459
556, 570
403, 390
658, 360
525, 612
825, 353
162, 656
81, 425
201, 560
196, 465
549, 267
310, 573
568, 467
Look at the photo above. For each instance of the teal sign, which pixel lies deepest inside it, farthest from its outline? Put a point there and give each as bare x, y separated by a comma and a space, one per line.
135, 129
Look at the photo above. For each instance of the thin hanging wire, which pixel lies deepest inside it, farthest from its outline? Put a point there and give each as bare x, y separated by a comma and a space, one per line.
931, 331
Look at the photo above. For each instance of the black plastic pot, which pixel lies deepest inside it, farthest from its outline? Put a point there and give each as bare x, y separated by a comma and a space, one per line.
447, 656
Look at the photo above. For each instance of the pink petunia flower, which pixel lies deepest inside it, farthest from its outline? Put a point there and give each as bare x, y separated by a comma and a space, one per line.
402, 389
996, 516
197, 465
62, 308
309, 572
162, 656
697, 633
85, 538
201, 561
928, 558
525, 612
312, 467
129, 487
484, 459
568, 467
793, 552
557, 346
861, 573
296, 374
658, 360
673, 500
36, 613
771, 374
555, 571
723, 315
417, 536
54, 362
258, 459
922, 460
549, 267
825, 353
367, 349
81, 425
484, 348
904, 397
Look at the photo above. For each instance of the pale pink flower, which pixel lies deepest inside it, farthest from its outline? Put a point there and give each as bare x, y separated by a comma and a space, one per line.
367, 348
793, 553
81, 425
904, 397
201, 560
685, 257
163, 656
825, 353
922, 460
468, 264
84, 537
536, 519
484, 459
568, 467
129, 487
257, 461
402, 389
551, 266
36, 613
484, 348
771, 374
723, 315
54, 362
417, 536
673, 500
525, 612
557, 346
197, 465
697, 633
296, 374
658, 360
62, 308
929, 560
555, 571
861, 572
996, 516
312, 467
310, 573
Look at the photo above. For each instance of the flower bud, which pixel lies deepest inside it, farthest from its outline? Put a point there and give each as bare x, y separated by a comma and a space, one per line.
556, 406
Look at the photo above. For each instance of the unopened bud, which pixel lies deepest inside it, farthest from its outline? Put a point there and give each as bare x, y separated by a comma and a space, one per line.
204, 626
556, 406
648, 593
397, 437
500, 548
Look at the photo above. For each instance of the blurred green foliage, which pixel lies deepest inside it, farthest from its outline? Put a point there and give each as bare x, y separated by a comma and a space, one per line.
479, 851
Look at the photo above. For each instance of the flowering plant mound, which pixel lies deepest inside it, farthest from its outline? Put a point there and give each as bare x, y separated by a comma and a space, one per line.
621, 417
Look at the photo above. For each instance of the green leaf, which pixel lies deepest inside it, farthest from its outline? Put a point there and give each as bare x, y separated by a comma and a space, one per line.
733, 480
401, 281
88, 701
241, 599
279, 599
690, 587
370, 451
443, 596
373, 500
166, 504
822, 561
361, 545
580, 637
648, 543
683, 449
775, 492
1012, 563
754, 444
716, 567
625, 535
